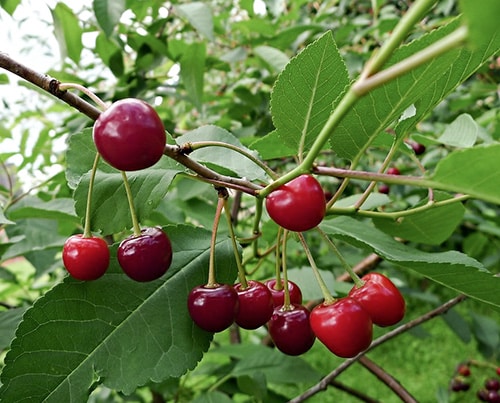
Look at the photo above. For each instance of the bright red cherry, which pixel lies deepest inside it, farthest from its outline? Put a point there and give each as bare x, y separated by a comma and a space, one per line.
85, 258
145, 257
380, 298
290, 329
393, 171
130, 135
279, 295
343, 326
255, 305
213, 308
298, 205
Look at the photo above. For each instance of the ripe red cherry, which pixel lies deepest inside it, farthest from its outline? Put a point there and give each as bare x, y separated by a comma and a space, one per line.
418, 148
298, 205
213, 308
463, 369
383, 188
130, 135
393, 171
290, 329
343, 326
145, 257
255, 305
492, 384
279, 295
85, 258
380, 298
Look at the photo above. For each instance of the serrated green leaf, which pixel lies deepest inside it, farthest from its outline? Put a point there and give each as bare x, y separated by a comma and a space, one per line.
271, 146
110, 211
199, 16
10, 320
424, 88
432, 226
450, 269
68, 32
462, 132
114, 330
192, 71
220, 157
305, 92
482, 21
33, 207
480, 178
108, 13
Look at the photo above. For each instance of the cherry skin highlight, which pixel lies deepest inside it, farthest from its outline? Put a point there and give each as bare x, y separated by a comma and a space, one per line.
290, 329
130, 135
213, 308
279, 295
255, 305
298, 205
145, 257
380, 298
85, 258
343, 326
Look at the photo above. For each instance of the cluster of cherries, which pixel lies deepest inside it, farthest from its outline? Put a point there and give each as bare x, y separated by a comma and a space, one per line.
129, 136
344, 325
490, 392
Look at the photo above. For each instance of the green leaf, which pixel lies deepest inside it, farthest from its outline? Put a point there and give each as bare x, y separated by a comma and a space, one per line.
305, 92
471, 171
33, 207
482, 21
108, 13
10, 320
274, 58
424, 88
450, 269
199, 16
271, 146
68, 32
110, 53
3, 219
10, 5
114, 330
192, 71
431, 226
221, 158
212, 396
110, 210
462, 132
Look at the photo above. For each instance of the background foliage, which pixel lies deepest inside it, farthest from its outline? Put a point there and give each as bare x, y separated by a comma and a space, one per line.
265, 78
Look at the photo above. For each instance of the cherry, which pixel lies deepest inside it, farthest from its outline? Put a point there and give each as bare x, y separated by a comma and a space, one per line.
482, 395
298, 205
85, 258
463, 369
393, 171
492, 384
145, 257
458, 385
279, 295
497, 370
380, 298
213, 308
418, 148
343, 326
255, 305
290, 329
383, 188
130, 135
493, 396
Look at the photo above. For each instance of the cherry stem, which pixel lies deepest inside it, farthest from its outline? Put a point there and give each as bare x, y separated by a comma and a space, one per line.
256, 225
241, 271
212, 283
98, 101
87, 233
286, 292
278, 285
347, 267
130, 198
327, 296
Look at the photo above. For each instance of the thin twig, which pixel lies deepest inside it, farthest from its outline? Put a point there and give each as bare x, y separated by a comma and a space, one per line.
323, 384
388, 379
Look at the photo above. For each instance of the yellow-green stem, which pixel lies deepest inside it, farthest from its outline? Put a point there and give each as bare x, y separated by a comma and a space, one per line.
135, 222
87, 233
211, 262
278, 285
241, 270
327, 296
286, 291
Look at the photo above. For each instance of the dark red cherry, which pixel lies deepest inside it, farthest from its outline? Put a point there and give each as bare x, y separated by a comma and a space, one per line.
255, 305
279, 294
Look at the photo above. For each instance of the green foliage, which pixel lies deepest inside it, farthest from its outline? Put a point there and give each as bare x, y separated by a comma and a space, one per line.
251, 98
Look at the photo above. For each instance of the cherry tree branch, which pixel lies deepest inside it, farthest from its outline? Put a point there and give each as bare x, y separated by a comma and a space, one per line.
323, 384
52, 86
